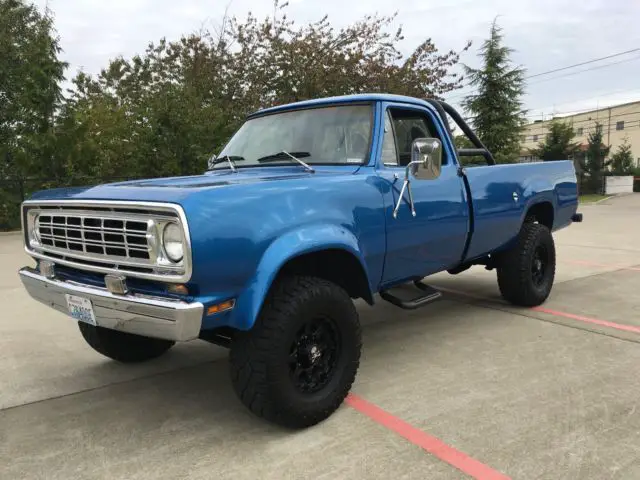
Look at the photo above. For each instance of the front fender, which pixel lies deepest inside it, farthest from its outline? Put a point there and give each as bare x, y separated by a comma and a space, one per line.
286, 247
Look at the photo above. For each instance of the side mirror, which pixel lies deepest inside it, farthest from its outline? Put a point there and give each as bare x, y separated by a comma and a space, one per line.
426, 158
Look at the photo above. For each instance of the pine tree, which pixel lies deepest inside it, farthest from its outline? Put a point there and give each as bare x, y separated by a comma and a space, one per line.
557, 144
593, 162
622, 160
496, 108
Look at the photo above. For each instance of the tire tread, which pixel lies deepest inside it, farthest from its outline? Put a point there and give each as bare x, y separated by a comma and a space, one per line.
253, 351
514, 267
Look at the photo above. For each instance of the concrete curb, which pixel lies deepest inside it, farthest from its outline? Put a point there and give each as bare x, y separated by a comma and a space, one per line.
603, 200
10, 232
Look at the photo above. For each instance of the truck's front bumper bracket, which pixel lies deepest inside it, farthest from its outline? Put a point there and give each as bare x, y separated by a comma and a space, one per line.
132, 313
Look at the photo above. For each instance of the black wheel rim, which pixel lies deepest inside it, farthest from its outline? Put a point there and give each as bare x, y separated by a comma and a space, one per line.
539, 265
314, 355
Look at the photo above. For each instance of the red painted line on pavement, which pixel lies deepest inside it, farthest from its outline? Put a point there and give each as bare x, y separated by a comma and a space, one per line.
595, 321
557, 313
433, 445
604, 265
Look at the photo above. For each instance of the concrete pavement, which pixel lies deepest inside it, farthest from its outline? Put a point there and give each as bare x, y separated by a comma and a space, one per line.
528, 393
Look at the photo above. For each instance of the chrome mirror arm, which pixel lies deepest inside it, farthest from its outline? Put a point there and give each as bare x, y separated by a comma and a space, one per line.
406, 185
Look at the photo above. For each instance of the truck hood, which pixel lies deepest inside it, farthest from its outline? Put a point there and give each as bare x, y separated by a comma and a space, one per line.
177, 189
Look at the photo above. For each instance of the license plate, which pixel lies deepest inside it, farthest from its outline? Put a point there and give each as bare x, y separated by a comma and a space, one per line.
81, 309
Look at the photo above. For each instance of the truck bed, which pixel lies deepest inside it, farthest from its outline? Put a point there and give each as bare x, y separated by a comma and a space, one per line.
502, 194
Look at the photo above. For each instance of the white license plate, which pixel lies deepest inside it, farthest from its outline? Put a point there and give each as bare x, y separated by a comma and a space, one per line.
81, 309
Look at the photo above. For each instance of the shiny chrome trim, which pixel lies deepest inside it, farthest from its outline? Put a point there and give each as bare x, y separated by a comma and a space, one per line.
132, 313
116, 284
47, 269
156, 254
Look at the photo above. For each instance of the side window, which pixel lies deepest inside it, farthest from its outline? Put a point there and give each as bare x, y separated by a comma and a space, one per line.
389, 153
407, 126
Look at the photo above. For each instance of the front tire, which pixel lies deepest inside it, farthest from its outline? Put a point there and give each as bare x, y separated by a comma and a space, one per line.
121, 346
297, 364
527, 271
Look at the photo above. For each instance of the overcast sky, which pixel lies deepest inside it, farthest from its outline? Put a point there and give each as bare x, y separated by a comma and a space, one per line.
546, 34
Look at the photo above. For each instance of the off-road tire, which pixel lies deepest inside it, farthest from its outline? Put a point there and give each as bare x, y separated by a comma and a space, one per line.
121, 346
516, 277
260, 358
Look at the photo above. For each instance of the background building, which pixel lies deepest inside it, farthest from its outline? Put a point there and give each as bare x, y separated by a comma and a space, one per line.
617, 122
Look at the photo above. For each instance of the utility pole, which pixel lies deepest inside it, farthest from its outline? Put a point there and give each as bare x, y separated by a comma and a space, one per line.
609, 128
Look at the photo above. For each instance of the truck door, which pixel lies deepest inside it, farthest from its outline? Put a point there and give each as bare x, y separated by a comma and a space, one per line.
434, 239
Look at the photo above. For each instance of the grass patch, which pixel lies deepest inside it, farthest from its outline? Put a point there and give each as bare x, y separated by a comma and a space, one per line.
591, 198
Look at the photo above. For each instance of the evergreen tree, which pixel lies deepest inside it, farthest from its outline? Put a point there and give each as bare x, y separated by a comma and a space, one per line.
496, 108
557, 144
593, 162
622, 160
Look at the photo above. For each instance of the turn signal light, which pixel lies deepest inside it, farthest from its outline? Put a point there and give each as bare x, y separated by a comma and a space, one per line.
221, 307
178, 288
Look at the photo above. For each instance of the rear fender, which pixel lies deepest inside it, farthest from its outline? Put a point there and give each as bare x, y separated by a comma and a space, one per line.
536, 192
291, 245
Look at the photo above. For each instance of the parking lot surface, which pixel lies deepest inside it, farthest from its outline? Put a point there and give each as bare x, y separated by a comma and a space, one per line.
466, 387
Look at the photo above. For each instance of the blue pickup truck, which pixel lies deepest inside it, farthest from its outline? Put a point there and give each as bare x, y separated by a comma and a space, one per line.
309, 206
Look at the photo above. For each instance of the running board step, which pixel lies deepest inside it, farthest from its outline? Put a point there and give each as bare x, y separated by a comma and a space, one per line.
428, 295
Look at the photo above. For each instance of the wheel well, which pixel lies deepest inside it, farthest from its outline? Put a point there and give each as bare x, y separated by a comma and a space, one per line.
541, 213
337, 266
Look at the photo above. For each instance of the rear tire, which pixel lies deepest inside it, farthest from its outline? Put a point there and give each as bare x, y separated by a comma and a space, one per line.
297, 364
121, 346
527, 271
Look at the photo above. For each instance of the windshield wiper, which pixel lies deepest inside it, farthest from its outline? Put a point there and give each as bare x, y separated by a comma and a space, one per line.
285, 154
213, 161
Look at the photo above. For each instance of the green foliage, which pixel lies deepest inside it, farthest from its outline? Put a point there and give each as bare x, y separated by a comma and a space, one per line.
622, 159
593, 161
636, 174
30, 74
461, 141
496, 108
557, 144
165, 111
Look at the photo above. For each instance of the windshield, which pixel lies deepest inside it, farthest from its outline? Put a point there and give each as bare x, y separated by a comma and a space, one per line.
328, 135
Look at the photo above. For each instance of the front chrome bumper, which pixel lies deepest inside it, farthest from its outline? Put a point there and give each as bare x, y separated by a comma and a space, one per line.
138, 314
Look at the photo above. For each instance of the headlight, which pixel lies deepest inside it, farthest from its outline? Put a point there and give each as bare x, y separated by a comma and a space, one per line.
173, 242
33, 227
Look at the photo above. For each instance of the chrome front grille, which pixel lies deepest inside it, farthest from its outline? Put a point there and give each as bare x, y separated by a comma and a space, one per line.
109, 236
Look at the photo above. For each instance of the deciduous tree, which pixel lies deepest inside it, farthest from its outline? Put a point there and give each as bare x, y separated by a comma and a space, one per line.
30, 76
165, 111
